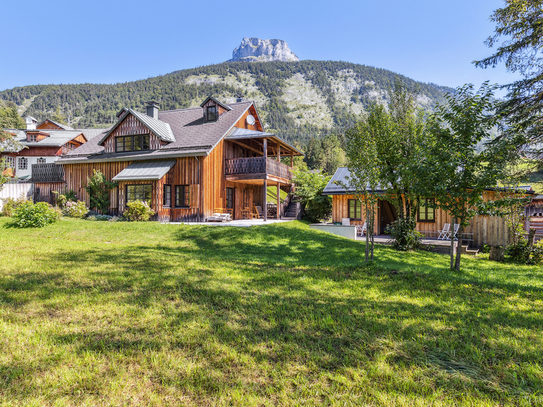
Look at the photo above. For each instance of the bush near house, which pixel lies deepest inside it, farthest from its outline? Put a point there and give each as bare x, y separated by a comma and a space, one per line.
10, 204
75, 209
138, 211
34, 215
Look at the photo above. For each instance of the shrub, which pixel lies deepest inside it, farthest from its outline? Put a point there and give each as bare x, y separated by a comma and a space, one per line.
138, 211
521, 252
75, 209
404, 235
63, 198
30, 215
11, 204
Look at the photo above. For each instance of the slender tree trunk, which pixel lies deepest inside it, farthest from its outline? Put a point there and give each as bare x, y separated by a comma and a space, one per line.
367, 232
459, 248
371, 230
452, 242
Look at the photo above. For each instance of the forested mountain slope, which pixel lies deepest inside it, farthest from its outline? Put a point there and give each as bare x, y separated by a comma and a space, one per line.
298, 100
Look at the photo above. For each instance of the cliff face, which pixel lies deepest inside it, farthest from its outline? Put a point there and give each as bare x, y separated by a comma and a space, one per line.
257, 50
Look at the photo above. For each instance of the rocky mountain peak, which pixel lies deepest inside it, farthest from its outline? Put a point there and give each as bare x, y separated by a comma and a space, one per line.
257, 50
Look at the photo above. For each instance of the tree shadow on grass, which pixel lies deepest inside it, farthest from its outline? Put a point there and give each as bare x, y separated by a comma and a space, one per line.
279, 297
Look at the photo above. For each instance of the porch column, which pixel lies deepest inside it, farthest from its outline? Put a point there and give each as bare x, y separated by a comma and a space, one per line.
291, 160
278, 152
278, 200
265, 147
265, 209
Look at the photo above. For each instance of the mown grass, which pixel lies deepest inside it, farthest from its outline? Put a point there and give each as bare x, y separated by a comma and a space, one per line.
98, 313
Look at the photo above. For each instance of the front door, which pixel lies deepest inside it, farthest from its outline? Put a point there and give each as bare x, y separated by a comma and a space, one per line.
230, 206
387, 215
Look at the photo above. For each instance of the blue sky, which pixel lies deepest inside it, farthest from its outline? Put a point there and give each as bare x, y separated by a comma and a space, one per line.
118, 41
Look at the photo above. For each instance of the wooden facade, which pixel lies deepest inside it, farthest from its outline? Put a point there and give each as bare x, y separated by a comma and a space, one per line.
204, 176
490, 230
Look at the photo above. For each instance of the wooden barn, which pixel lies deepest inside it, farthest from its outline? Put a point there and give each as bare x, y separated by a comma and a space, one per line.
491, 230
186, 163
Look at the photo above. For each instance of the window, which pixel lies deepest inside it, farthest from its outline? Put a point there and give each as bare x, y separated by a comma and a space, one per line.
354, 209
10, 162
427, 213
139, 192
182, 196
41, 160
212, 113
132, 143
230, 198
167, 197
32, 138
22, 163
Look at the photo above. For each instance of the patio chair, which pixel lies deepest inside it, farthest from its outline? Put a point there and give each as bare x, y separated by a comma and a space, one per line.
361, 229
444, 234
259, 211
456, 227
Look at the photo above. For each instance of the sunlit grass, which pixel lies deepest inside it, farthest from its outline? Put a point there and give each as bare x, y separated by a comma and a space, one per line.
99, 313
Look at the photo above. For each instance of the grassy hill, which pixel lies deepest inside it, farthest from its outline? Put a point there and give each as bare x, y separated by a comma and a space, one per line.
298, 100
100, 313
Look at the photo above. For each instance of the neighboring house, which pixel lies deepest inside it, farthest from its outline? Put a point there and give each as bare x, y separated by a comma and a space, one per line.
186, 163
43, 143
490, 230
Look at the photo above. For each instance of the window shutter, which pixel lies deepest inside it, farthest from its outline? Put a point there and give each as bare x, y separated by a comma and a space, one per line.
194, 196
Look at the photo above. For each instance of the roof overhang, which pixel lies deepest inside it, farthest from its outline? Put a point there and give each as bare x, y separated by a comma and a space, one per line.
246, 134
96, 158
145, 171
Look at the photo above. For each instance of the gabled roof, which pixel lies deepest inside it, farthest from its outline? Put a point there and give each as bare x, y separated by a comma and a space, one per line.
339, 184
241, 134
226, 107
161, 129
57, 138
62, 126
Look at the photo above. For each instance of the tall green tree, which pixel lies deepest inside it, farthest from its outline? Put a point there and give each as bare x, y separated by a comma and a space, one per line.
310, 185
518, 38
362, 154
400, 150
453, 172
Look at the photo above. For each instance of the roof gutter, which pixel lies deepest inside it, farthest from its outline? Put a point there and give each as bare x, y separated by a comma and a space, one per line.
130, 158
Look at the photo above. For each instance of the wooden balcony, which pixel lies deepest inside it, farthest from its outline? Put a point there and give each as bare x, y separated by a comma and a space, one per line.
257, 168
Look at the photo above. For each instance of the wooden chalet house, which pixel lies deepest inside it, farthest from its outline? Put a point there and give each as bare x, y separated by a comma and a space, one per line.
491, 230
186, 163
43, 143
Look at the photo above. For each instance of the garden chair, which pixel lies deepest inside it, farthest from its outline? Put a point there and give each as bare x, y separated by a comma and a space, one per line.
259, 211
445, 233
456, 227
361, 229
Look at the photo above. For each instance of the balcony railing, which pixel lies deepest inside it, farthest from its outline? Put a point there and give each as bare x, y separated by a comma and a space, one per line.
257, 165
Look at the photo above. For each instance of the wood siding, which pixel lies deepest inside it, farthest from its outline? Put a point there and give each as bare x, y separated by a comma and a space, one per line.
131, 126
47, 125
491, 230
242, 122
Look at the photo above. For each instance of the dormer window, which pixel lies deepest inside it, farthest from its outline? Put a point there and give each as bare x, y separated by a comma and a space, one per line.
212, 113
32, 138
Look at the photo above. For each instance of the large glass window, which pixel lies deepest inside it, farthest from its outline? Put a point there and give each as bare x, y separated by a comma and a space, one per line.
212, 113
139, 193
182, 196
167, 201
426, 212
354, 209
132, 143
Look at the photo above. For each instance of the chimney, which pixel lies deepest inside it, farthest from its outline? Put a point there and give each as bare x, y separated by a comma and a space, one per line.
152, 109
31, 123
239, 97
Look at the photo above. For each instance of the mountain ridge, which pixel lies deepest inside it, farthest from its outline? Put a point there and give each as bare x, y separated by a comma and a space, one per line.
297, 100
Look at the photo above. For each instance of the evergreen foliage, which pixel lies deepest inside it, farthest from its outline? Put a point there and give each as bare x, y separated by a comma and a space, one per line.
96, 105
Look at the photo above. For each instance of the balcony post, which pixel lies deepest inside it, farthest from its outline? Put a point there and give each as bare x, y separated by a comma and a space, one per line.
265, 192
278, 152
278, 201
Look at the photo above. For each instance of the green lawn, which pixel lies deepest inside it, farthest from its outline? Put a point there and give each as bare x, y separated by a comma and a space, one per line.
99, 313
